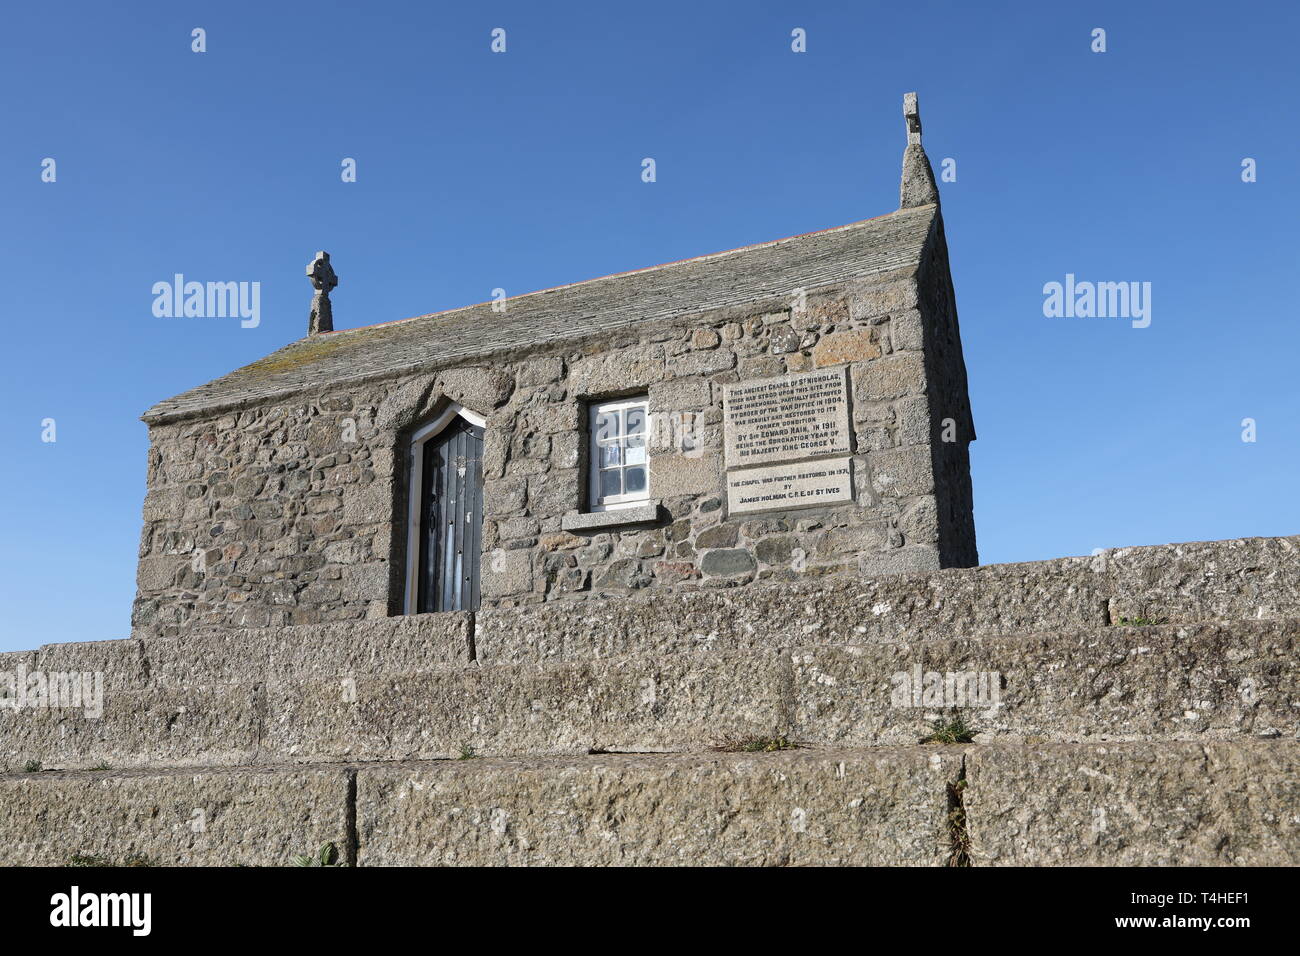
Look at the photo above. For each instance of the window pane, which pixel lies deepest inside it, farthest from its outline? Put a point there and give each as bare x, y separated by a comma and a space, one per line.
635, 454
606, 426
609, 483
635, 420
610, 456
635, 478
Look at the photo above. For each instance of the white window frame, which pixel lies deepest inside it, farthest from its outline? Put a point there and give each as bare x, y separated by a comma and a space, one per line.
415, 481
614, 502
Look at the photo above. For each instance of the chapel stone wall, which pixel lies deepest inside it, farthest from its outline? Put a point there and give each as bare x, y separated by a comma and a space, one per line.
294, 511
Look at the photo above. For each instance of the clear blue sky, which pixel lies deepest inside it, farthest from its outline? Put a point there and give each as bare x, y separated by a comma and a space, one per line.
478, 170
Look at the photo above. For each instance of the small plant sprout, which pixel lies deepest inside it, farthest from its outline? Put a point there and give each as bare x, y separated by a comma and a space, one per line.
952, 731
328, 855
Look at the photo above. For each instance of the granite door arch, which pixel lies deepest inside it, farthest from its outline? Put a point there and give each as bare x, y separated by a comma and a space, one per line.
445, 522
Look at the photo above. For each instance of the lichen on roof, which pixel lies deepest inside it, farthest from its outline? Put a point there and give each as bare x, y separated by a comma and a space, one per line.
296, 355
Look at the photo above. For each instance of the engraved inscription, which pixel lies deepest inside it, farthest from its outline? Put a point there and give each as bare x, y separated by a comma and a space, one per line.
786, 418
790, 486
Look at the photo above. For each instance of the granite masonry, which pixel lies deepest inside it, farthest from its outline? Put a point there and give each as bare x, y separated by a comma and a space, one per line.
672, 567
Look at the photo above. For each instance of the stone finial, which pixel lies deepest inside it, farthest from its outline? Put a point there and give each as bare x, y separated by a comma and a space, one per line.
912, 113
323, 280
918, 187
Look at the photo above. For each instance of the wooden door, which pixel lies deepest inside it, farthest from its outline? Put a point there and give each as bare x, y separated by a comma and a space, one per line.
451, 518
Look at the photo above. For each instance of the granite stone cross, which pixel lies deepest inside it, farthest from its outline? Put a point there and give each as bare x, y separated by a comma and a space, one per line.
323, 280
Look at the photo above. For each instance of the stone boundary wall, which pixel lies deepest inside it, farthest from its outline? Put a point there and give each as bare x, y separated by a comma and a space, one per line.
1157, 744
201, 817
682, 671
1146, 804
1135, 804
1235, 579
1175, 682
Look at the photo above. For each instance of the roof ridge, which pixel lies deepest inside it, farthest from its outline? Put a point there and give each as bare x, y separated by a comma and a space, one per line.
627, 272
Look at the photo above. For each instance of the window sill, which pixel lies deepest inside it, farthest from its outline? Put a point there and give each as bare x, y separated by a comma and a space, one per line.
615, 517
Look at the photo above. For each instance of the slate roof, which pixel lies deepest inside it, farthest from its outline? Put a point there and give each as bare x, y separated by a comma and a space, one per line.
715, 281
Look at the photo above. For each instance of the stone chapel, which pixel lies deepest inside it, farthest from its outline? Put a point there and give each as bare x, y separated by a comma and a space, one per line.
659, 517
789, 410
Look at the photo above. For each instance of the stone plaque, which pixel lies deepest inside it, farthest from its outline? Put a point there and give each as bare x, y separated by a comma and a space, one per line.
786, 418
801, 485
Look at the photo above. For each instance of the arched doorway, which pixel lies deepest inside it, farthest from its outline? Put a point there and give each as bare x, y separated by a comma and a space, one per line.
445, 491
